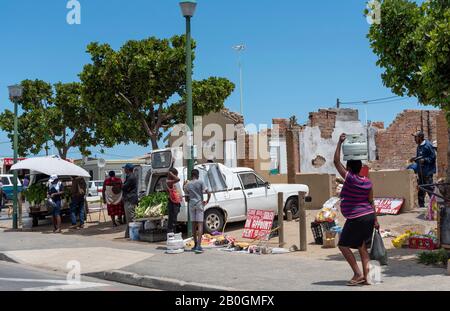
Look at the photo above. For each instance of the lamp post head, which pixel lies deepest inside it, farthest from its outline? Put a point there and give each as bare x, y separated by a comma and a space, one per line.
188, 7
15, 91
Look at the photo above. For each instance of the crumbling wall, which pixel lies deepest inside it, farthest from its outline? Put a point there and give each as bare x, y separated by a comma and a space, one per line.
317, 151
442, 144
395, 145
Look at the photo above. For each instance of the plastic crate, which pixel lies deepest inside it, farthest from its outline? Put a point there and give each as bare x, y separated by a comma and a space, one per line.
316, 229
153, 235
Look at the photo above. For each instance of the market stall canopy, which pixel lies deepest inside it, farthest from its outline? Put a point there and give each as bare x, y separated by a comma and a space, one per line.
50, 166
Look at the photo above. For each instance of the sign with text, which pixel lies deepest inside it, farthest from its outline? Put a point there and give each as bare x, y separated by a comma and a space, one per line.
258, 225
388, 206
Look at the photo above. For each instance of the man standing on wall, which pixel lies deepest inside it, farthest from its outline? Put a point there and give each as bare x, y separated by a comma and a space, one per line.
130, 196
426, 164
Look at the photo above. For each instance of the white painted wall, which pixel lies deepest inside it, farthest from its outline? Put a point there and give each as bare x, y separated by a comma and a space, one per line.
312, 145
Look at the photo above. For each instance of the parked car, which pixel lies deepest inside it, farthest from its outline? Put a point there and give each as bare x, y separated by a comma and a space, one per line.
8, 189
234, 191
95, 188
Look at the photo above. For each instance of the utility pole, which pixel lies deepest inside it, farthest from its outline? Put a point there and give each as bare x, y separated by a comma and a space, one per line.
338, 104
239, 48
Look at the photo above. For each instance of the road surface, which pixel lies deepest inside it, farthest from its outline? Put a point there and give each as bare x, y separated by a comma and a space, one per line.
15, 277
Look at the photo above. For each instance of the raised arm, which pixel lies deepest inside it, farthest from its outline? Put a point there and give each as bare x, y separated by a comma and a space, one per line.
337, 157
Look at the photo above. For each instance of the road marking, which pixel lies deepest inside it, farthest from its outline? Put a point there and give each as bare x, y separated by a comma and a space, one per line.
64, 285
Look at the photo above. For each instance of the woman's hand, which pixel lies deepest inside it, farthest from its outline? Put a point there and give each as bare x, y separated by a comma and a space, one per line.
377, 225
342, 138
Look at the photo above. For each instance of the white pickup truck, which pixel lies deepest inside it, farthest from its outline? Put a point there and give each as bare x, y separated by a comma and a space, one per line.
234, 190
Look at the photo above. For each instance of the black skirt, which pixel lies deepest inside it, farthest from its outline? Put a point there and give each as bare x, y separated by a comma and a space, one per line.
358, 231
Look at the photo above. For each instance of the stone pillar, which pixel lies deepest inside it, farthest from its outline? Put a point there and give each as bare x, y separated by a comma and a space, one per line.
293, 153
442, 137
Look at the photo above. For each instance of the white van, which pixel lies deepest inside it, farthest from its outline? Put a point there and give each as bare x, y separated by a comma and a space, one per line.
234, 190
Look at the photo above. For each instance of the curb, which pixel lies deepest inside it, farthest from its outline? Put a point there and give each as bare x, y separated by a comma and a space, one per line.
160, 283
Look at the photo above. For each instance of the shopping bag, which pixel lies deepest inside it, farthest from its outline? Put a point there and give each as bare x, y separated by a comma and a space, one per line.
377, 250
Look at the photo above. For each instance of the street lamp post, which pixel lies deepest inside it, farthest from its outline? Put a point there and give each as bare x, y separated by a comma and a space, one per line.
188, 9
239, 48
15, 93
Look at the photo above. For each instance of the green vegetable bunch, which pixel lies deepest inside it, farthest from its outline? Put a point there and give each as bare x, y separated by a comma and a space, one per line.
433, 257
152, 200
36, 193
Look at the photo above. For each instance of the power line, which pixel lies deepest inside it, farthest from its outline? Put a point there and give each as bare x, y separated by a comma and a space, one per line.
368, 101
374, 103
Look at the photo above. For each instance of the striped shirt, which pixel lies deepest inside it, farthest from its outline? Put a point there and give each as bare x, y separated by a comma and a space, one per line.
355, 196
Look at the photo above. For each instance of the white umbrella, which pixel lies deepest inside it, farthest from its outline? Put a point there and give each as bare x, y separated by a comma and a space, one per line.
51, 166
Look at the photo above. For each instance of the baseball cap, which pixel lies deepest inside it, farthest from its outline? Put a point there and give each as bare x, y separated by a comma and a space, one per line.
53, 178
128, 166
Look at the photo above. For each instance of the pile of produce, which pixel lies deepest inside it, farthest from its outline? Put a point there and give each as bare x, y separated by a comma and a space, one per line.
153, 205
403, 239
326, 214
36, 193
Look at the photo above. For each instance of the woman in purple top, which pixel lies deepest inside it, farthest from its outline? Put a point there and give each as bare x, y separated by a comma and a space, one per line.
357, 207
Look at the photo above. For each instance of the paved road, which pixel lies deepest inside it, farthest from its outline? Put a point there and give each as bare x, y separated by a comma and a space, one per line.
14, 277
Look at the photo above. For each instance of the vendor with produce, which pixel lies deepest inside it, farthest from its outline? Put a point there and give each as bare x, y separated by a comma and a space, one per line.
358, 208
130, 195
174, 202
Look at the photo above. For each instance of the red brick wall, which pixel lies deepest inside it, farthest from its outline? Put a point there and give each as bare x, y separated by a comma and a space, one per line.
325, 120
442, 144
395, 145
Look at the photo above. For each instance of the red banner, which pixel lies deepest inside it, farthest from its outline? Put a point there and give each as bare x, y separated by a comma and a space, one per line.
388, 206
259, 224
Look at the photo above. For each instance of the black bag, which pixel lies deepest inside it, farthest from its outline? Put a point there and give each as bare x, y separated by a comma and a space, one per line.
50, 204
377, 250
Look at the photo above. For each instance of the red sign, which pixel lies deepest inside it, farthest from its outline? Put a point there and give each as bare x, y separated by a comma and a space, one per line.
258, 225
388, 206
10, 161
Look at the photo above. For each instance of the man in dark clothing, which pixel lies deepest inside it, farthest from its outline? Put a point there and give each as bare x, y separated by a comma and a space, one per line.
426, 164
78, 193
130, 195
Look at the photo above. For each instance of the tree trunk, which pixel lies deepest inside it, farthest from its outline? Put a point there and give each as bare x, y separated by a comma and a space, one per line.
154, 141
448, 154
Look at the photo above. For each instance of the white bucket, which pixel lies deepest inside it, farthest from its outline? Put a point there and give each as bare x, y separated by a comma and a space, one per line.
355, 147
27, 223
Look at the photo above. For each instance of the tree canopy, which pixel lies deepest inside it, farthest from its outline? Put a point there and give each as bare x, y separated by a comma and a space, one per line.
139, 90
52, 113
412, 43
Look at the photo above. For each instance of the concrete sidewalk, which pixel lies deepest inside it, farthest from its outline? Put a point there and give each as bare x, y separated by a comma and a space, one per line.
213, 270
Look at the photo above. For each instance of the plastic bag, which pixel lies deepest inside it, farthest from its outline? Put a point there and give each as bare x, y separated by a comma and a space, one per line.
377, 250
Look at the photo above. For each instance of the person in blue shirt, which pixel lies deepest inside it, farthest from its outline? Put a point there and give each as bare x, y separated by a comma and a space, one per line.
426, 164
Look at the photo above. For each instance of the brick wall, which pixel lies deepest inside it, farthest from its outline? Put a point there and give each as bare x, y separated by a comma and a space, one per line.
442, 145
325, 119
395, 145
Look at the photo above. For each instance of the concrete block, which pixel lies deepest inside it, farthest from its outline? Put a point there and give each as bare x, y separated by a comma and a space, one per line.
396, 183
320, 188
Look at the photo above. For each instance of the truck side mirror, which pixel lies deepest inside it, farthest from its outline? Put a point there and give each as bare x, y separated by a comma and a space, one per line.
267, 185
308, 199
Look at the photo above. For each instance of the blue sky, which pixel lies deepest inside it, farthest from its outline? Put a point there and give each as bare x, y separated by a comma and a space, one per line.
300, 56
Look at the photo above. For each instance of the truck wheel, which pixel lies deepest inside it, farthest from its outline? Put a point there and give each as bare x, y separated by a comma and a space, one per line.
214, 220
292, 205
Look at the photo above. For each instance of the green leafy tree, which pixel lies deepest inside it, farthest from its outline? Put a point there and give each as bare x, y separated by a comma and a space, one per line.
54, 114
412, 43
139, 90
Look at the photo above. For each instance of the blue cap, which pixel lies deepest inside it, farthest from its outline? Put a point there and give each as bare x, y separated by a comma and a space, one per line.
128, 166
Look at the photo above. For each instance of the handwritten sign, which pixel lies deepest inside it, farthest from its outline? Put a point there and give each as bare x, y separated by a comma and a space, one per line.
388, 206
258, 225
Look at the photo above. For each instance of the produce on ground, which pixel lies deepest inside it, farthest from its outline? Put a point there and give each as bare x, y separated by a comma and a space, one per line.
153, 205
433, 257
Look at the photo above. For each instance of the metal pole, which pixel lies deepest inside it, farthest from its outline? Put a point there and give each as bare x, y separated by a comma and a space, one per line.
15, 192
240, 84
189, 109
280, 220
302, 221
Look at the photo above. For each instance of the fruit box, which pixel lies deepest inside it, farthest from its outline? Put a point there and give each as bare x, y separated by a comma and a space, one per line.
421, 243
